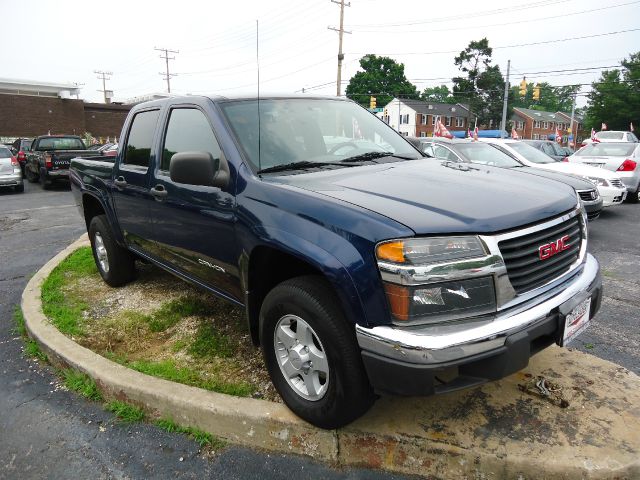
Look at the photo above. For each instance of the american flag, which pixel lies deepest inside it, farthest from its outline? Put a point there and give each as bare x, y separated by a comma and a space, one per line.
604, 126
514, 134
475, 133
558, 136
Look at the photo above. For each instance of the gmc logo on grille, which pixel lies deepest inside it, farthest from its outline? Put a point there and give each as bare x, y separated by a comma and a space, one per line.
550, 249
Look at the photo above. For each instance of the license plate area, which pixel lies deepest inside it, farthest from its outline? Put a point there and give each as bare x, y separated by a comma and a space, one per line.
574, 322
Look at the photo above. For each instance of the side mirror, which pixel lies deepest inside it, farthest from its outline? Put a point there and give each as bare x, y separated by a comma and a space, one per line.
199, 168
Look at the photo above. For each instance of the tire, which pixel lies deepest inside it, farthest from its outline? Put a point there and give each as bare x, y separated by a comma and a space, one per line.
19, 188
632, 197
46, 184
31, 177
116, 264
342, 391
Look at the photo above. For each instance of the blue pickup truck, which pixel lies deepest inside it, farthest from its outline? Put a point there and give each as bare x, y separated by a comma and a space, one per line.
363, 268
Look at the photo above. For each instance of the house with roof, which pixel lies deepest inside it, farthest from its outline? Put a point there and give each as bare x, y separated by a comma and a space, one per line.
417, 118
540, 125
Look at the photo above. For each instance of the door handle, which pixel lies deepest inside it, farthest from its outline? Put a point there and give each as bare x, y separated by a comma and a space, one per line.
159, 192
120, 182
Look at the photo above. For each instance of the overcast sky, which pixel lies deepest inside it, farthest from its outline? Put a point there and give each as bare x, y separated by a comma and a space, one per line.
67, 40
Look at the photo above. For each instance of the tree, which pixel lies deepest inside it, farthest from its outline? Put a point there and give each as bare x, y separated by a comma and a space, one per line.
552, 99
440, 94
615, 98
383, 78
483, 86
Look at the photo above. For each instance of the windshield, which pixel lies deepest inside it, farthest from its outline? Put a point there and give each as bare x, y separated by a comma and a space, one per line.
485, 155
608, 149
310, 130
531, 153
60, 143
610, 135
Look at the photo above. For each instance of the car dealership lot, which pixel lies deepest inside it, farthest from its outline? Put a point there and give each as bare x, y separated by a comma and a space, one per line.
38, 224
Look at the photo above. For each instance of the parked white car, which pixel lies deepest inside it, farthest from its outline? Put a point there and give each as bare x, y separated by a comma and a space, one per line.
616, 136
611, 188
620, 157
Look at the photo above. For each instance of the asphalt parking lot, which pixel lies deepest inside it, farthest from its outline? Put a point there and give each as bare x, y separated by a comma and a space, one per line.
47, 431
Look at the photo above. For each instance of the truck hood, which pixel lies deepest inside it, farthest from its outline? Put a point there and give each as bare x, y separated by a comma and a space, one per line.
433, 197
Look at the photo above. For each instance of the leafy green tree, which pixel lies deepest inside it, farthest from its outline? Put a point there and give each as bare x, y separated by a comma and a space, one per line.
615, 98
483, 86
383, 78
552, 99
440, 94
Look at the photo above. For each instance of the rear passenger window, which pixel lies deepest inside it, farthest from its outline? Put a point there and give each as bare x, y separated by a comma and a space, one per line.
141, 132
188, 131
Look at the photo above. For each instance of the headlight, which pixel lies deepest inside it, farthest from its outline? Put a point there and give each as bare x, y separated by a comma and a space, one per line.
444, 299
601, 182
424, 251
441, 302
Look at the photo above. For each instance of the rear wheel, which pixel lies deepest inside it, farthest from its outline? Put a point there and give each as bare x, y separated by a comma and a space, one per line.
31, 177
19, 188
312, 354
116, 264
632, 197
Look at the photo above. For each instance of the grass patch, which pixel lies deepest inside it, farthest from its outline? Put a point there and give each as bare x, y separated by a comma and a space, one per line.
65, 311
32, 349
18, 319
168, 370
81, 383
589, 346
209, 342
125, 412
172, 312
203, 439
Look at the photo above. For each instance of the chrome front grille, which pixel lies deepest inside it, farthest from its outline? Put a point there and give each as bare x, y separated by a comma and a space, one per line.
588, 195
616, 182
523, 255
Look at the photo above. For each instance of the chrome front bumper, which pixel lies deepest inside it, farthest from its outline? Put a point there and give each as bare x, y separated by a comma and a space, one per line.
435, 344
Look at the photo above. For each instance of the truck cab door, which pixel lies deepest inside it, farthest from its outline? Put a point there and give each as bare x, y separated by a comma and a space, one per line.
130, 188
194, 225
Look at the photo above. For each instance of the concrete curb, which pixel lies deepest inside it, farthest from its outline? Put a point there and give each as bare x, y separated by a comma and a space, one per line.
491, 432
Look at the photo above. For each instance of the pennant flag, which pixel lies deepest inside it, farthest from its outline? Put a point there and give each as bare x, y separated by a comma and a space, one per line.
475, 133
593, 136
631, 126
514, 134
469, 133
441, 130
604, 126
558, 136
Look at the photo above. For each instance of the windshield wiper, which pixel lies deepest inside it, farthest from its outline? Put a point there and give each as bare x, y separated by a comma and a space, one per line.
299, 166
372, 156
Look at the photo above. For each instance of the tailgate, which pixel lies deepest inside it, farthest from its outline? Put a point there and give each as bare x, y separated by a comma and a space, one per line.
62, 158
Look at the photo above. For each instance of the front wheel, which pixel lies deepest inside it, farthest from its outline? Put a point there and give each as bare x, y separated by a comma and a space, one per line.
116, 264
312, 355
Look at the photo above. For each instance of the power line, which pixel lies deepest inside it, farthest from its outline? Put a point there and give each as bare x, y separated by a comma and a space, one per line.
103, 76
167, 58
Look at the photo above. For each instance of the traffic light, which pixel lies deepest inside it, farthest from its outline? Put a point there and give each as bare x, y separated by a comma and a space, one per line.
386, 113
372, 102
523, 87
536, 92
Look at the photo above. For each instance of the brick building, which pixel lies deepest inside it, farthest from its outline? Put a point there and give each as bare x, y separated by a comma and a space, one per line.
416, 118
28, 109
540, 125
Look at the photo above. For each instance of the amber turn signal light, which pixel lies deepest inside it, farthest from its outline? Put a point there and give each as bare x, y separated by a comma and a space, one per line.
391, 252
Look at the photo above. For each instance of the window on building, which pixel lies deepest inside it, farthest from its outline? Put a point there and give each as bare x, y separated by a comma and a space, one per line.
536, 124
459, 121
404, 119
536, 137
433, 119
520, 125
545, 125
424, 119
423, 134
140, 138
448, 121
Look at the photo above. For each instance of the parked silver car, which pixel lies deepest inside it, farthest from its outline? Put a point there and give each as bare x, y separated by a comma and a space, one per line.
620, 157
10, 173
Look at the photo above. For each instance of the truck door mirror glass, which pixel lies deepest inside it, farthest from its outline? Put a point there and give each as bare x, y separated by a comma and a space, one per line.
199, 168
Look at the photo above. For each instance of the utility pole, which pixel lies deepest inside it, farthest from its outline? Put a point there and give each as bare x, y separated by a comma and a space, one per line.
103, 76
573, 111
506, 98
166, 58
340, 31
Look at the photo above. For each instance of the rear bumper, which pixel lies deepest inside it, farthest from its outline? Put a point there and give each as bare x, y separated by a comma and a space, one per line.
631, 180
10, 180
62, 173
436, 360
